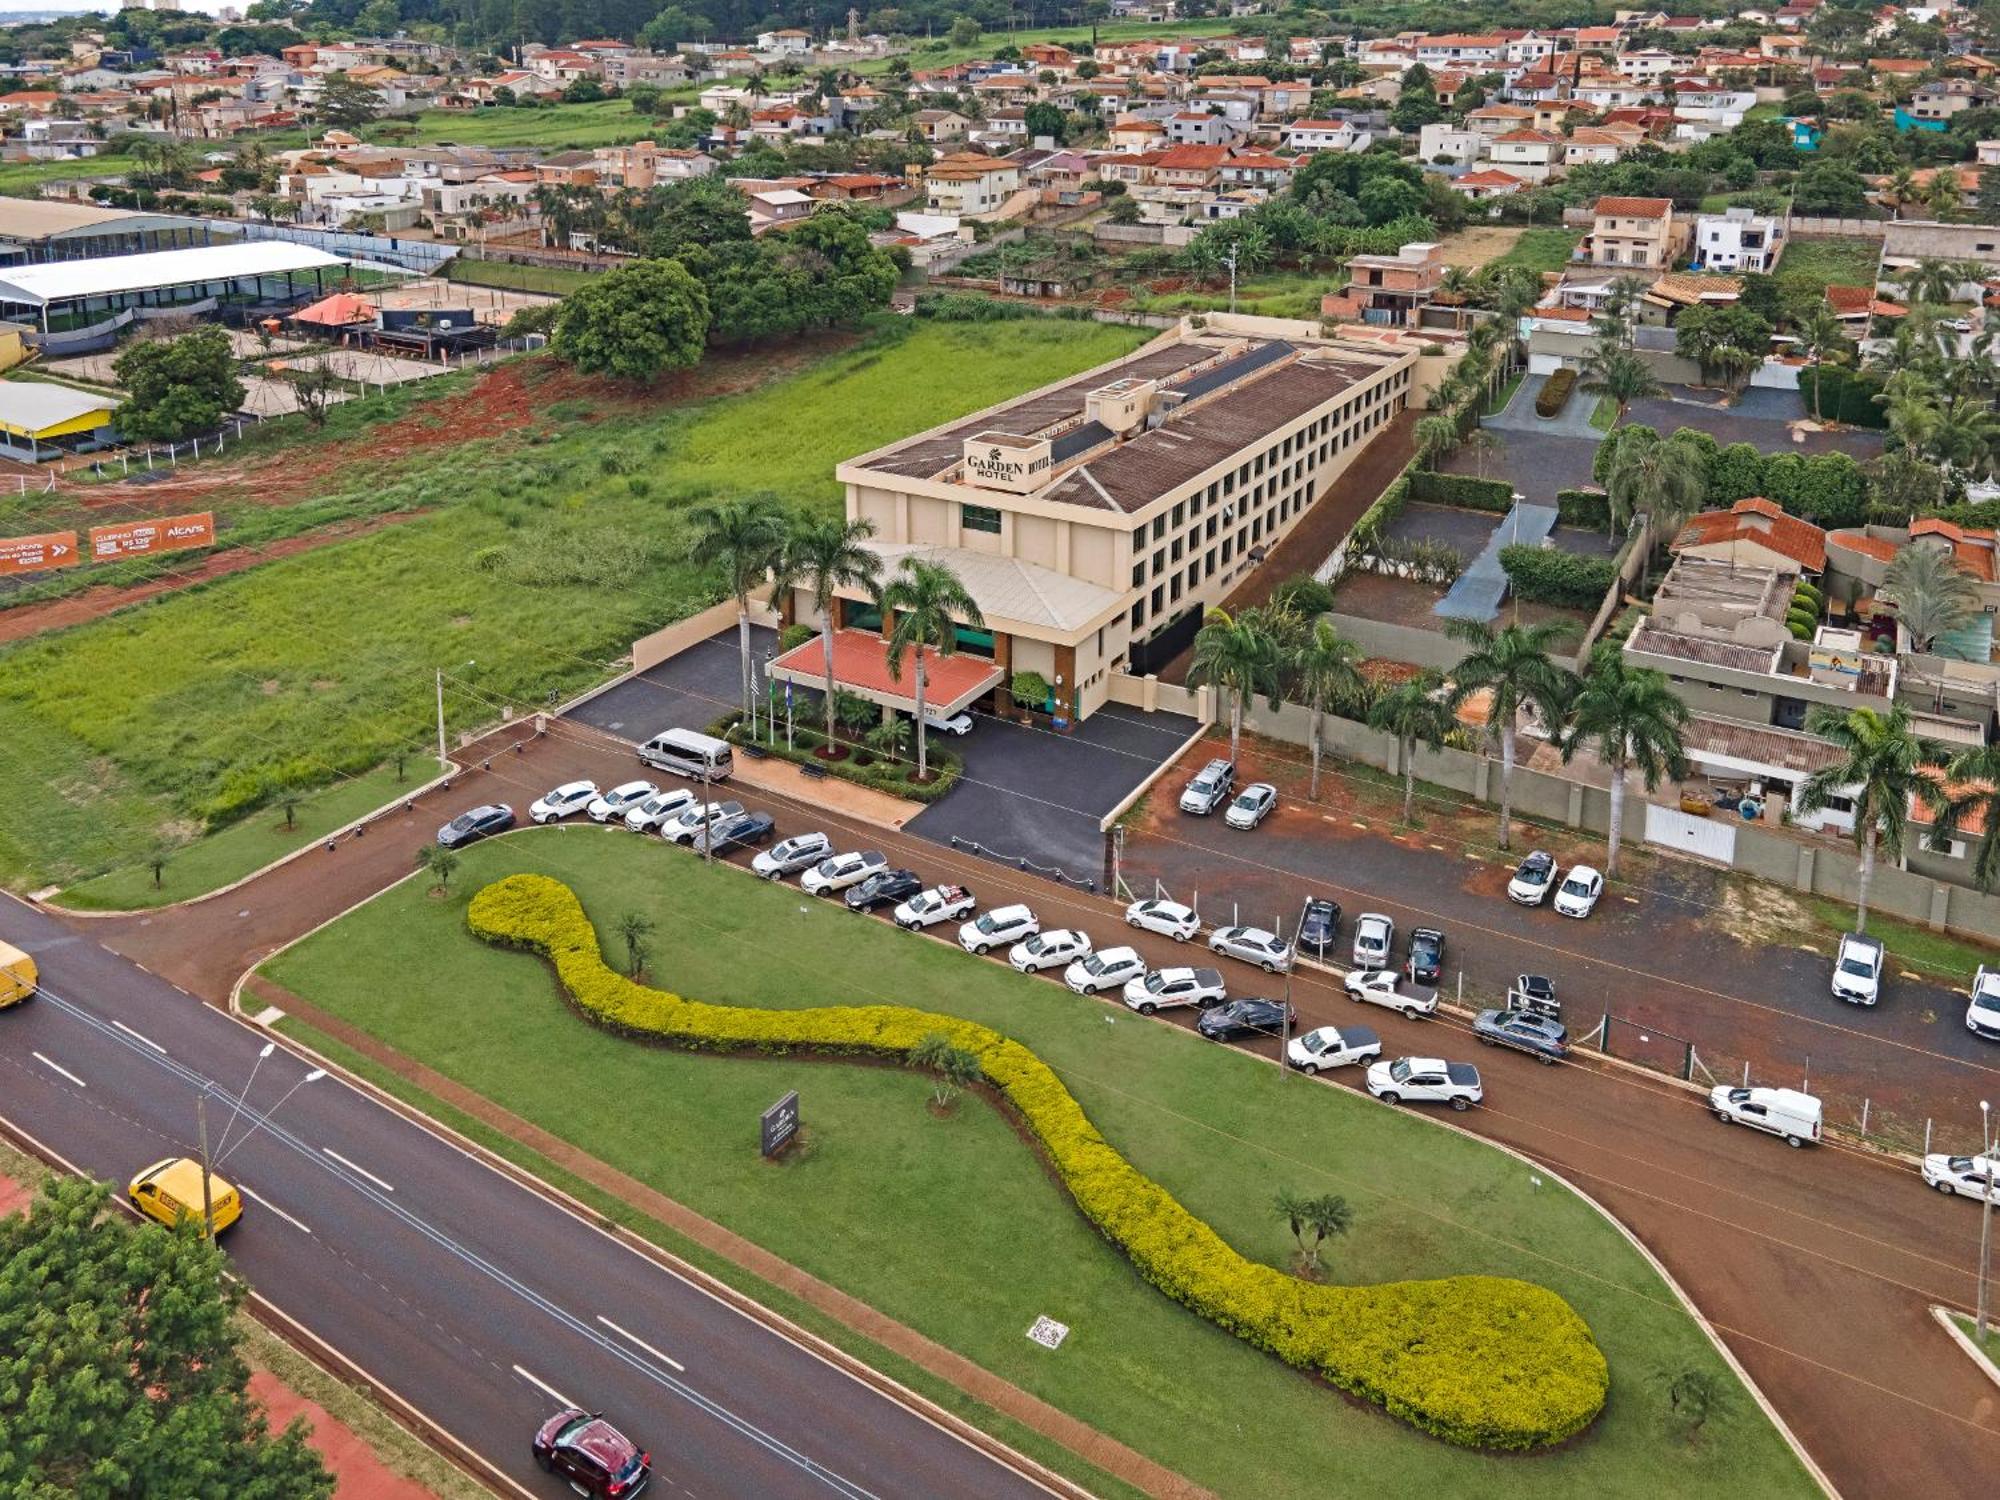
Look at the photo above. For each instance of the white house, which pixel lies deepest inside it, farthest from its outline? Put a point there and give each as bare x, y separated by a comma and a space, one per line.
1738, 240
1444, 142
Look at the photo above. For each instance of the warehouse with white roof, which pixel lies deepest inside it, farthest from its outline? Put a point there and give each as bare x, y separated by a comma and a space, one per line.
91, 300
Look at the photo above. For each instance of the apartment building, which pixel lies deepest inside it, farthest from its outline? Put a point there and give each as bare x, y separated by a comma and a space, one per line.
967, 183
1390, 288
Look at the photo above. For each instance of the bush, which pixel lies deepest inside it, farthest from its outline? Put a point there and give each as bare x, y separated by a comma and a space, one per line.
794, 636
1844, 395
1479, 1361
890, 776
1802, 618
1548, 575
1600, 464
1462, 490
1805, 594
1304, 596
1591, 508
1419, 558
1386, 508
1029, 689
1555, 393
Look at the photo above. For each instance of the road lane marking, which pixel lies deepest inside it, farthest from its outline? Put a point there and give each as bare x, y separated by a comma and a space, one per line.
547, 1389
142, 1040
353, 1167
271, 1207
626, 1333
59, 1068
1362, 826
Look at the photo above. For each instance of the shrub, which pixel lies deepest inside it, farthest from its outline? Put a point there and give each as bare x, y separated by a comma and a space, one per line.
1548, 575
1304, 596
1463, 490
1799, 632
1555, 393
1479, 1361
863, 768
1388, 505
1806, 618
1591, 508
1844, 395
1420, 558
794, 636
1029, 689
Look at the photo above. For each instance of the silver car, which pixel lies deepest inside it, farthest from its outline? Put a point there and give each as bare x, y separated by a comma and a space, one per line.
645, 816
788, 856
1374, 937
1253, 945
1252, 805
837, 872
681, 830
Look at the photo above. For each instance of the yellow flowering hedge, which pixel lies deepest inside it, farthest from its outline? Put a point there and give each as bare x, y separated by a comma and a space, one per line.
1480, 1361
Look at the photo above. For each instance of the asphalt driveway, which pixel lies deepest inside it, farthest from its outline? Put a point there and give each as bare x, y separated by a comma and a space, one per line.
689, 692
1759, 418
1536, 464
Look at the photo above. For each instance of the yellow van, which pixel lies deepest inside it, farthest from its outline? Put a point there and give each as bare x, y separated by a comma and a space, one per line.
170, 1191
18, 976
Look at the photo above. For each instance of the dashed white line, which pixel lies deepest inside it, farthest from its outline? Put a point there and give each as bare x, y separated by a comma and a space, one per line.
56, 1067
633, 1338
355, 1167
546, 1389
271, 1207
140, 1038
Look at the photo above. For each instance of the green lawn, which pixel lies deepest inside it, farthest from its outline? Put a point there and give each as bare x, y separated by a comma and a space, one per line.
1268, 294
560, 127
1505, 393
1911, 945
547, 548
1830, 262
952, 1226
23, 179
1604, 415
1539, 250
553, 280
1990, 1345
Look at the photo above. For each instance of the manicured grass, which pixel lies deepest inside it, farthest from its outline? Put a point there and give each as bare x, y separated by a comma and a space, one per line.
1604, 415
1830, 262
1540, 250
1988, 1346
1911, 945
554, 280
951, 1225
23, 179
1505, 392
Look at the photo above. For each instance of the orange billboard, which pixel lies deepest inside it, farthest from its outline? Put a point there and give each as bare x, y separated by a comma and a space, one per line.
136, 538
31, 554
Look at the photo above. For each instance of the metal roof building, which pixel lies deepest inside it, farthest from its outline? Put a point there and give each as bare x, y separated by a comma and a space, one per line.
37, 229
80, 295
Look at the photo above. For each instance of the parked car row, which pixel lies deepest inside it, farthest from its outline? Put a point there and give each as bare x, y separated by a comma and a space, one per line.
1211, 788
1536, 877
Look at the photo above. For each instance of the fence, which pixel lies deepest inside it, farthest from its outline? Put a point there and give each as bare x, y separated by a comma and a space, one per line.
411, 255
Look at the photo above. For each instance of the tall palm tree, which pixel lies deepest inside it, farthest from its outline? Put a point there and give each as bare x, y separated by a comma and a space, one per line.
1881, 767
1735, 364
1239, 656
1966, 435
1969, 797
1632, 718
1660, 477
743, 540
1618, 373
1436, 437
1325, 674
1931, 279
826, 556
928, 600
1942, 195
1516, 667
1823, 334
1901, 189
1932, 594
1416, 712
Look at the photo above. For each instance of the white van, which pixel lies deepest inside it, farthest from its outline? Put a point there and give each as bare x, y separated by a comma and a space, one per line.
685, 753
1785, 1112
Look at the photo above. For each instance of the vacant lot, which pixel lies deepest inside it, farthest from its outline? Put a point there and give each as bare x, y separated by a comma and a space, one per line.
1830, 262
558, 127
554, 280
952, 1226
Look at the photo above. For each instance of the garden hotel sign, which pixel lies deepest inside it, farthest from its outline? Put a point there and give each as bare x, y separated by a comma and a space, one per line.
1001, 461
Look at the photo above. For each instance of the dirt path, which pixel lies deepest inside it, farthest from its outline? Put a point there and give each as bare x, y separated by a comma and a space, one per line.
1478, 246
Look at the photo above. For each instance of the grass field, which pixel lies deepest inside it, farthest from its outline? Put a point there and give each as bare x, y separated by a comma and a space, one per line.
560, 127
1604, 415
1540, 250
23, 179
952, 1226
1268, 294
1830, 262
553, 280
548, 545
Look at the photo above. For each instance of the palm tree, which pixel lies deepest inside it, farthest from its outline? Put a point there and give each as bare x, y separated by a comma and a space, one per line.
1965, 435
1901, 189
1618, 373
1516, 667
1631, 717
744, 540
1882, 766
1657, 476
827, 556
1436, 437
1416, 712
1456, 285
1931, 279
634, 927
926, 600
1932, 594
1325, 674
1822, 333
1942, 195
1239, 656
1970, 798
1734, 364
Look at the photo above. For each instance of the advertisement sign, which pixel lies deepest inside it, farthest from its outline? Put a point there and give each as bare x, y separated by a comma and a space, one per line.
164, 534
31, 554
781, 1123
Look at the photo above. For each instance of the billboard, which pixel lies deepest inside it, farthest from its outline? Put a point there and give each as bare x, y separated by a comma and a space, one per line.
137, 538
31, 554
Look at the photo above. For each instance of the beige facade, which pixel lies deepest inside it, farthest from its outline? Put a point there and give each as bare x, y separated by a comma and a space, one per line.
1634, 233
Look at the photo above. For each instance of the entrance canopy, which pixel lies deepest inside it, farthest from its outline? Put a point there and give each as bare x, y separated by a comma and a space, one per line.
861, 665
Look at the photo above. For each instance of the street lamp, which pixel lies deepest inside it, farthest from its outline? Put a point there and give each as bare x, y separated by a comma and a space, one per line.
1989, 1148
444, 760
209, 1165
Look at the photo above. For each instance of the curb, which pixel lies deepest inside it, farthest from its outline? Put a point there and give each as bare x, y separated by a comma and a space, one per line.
1959, 1336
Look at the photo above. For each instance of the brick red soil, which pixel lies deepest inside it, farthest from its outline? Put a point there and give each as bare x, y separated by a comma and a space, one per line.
357, 1472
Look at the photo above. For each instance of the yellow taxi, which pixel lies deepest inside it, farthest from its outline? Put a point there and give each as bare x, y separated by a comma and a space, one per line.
170, 1191
18, 976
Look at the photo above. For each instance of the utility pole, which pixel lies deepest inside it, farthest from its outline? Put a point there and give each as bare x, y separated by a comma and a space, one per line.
1229, 260
443, 760
1988, 1147
207, 1194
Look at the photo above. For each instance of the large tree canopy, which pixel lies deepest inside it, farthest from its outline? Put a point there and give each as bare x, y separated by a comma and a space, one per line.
635, 322
178, 387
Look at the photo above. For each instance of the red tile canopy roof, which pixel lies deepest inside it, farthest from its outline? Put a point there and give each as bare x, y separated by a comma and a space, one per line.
861, 664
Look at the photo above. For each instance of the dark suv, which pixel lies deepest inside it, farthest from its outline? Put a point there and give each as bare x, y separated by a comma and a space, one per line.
495, 817
1426, 966
595, 1457
1319, 926
883, 888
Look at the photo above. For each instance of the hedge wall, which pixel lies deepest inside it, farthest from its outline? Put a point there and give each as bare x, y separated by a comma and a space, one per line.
1844, 396
1828, 489
1388, 505
1547, 575
1462, 490
1590, 508
1555, 392
1479, 1361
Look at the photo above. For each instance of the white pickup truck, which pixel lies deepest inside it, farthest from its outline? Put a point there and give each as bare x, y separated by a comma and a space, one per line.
1385, 987
1425, 1080
1982, 1015
1857, 969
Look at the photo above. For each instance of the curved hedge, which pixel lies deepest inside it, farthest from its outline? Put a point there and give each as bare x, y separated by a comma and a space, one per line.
1479, 1361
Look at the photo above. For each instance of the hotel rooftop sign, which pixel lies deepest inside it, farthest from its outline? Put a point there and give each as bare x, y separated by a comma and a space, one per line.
1002, 461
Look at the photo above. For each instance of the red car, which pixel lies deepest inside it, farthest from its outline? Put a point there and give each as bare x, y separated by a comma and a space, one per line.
595, 1457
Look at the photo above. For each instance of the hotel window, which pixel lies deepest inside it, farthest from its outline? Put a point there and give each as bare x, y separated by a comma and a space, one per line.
1159, 598
1174, 588
1208, 532
1209, 565
979, 518
1159, 561
1194, 574
1138, 574
1138, 615
1159, 527
1180, 514
1177, 549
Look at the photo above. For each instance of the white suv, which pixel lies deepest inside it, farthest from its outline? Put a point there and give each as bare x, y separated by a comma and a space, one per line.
1105, 970
1004, 924
1857, 969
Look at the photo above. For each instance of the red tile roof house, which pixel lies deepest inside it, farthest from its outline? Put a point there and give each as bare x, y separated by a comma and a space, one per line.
1757, 532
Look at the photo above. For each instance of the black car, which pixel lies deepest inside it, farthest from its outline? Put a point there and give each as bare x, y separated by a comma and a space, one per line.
1543, 1037
1536, 992
591, 1455
739, 832
1319, 926
1426, 965
883, 888
1226, 1022
494, 817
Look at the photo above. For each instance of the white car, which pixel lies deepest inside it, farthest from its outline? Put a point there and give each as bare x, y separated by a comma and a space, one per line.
1968, 1176
571, 796
955, 724
619, 801
1045, 950
1333, 1047
1982, 1011
1534, 879
1004, 924
799, 852
650, 812
1252, 805
1111, 968
938, 904
1425, 1080
1857, 969
842, 870
1385, 987
1374, 939
1165, 988
1253, 945
696, 819
1168, 918
1577, 895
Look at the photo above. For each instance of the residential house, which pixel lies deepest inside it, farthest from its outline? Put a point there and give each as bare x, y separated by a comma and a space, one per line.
1535, 155
938, 125
1492, 120
1755, 533
775, 207
1738, 239
1647, 64
1390, 288
1257, 169
1907, 241
1132, 133
1633, 233
1199, 128
1593, 146
1323, 135
1489, 182
787, 42
1932, 106
968, 184
1453, 49
1443, 143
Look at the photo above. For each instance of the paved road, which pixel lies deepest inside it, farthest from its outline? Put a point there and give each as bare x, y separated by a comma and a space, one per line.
1766, 1241
447, 1281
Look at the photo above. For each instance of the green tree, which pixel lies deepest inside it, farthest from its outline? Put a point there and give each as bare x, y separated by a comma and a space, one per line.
1969, 797
953, 1069
1666, 479
1046, 119
634, 322
702, 211
440, 863
927, 602
1436, 436
827, 555
1417, 104
1631, 718
1326, 674
120, 1370
1516, 668
1240, 657
1882, 767
1933, 595
634, 927
1417, 712
1965, 435
177, 388
347, 104
1702, 333
890, 739
743, 540
1824, 336
1619, 373
1322, 1217
964, 32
